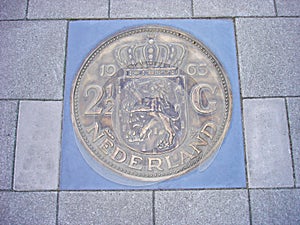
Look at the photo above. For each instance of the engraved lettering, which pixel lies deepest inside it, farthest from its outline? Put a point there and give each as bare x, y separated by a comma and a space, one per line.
154, 163
109, 102
97, 134
118, 155
97, 93
109, 134
202, 69
169, 163
201, 98
196, 146
105, 145
109, 90
185, 155
107, 70
109, 107
134, 162
201, 141
209, 129
197, 69
198, 143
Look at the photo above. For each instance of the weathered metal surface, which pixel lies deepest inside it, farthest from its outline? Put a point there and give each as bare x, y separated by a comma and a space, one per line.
151, 103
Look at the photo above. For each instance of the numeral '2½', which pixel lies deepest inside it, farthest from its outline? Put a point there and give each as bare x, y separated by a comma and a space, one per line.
97, 94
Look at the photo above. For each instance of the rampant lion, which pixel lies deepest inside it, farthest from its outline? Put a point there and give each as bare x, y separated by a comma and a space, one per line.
157, 109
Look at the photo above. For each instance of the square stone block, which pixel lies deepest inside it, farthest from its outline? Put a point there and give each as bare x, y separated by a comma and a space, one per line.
105, 207
232, 8
288, 8
267, 143
269, 56
150, 8
202, 207
227, 169
28, 207
38, 145
68, 9
32, 57
281, 206
13, 9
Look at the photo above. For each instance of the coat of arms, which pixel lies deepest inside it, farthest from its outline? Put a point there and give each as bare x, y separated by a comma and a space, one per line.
151, 107
152, 112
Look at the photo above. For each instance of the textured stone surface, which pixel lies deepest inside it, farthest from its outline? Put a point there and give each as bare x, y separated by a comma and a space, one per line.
202, 207
13, 9
27, 208
38, 145
8, 119
234, 8
105, 208
150, 8
293, 110
32, 59
288, 7
275, 206
267, 143
269, 56
68, 9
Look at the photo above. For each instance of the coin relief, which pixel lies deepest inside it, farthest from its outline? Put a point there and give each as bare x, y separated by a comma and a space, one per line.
150, 103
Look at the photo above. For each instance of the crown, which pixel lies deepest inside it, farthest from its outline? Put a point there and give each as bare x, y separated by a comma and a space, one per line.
150, 55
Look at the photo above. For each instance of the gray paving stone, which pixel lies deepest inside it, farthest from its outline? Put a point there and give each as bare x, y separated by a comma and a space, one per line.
8, 119
267, 143
288, 8
105, 208
202, 207
38, 145
293, 110
32, 59
275, 206
27, 208
13, 9
269, 56
150, 8
219, 8
67, 9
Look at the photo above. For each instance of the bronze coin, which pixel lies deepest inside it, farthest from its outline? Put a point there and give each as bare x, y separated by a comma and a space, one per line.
150, 103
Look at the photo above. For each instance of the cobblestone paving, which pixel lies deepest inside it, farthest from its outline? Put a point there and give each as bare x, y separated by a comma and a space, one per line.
33, 43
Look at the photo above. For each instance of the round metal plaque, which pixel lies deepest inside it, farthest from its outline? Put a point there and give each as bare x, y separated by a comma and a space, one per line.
149, 104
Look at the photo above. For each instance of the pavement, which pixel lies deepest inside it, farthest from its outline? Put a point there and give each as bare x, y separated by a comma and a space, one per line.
33, 56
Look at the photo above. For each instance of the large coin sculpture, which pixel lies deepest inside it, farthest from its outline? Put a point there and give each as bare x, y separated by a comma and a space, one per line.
149, 104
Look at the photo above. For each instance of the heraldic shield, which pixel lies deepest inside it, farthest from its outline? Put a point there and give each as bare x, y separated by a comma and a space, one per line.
151, 115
